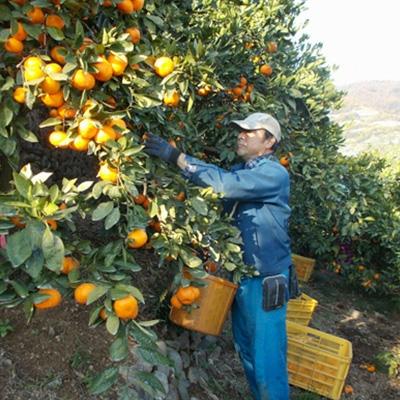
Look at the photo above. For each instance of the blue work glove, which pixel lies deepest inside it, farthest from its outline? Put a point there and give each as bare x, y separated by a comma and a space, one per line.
156, 146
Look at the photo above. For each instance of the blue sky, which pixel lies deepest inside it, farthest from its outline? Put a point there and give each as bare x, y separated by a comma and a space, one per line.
361, 37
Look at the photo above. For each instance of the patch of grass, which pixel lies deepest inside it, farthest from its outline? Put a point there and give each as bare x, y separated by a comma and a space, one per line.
5, 328
80, 359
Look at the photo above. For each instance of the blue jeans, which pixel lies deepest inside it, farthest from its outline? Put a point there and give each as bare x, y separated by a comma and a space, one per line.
261, 341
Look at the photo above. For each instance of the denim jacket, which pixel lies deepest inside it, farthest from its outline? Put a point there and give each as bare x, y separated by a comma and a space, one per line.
260, 188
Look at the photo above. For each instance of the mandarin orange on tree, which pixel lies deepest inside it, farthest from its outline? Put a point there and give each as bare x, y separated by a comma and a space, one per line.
172, 99
69, 264
13, 45
35, 15
56, 54
83, 80
107, 173
21, 35
125, 6
52, 301
54, 21
53, 100
104, 70
118, 63
266, 70
82, 292
175, 302
104, 134
163, 66
19, 94
59, 138
88, 128
137, 4
137, 238
134, 34
126, 307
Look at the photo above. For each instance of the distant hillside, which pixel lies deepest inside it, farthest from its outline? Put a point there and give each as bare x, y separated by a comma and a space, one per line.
371, 117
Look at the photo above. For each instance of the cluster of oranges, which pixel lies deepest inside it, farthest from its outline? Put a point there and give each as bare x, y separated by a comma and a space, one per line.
185, 296
126, 6
242, 91
35, 16
125, 308
88, 130
266, 68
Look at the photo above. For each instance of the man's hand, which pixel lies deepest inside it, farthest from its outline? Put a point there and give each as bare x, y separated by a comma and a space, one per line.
156, 146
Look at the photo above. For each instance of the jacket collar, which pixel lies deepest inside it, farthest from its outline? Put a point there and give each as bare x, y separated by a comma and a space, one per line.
255, 161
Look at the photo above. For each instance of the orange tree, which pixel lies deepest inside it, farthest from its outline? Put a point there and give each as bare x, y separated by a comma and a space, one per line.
82, 83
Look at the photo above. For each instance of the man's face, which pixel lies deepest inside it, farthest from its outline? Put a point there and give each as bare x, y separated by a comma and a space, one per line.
252, 144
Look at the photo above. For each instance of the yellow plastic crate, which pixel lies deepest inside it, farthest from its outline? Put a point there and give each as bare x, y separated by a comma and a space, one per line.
317, 361
304, 266
300, 310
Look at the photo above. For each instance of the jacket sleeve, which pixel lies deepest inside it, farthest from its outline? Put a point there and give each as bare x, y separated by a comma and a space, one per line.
263, 182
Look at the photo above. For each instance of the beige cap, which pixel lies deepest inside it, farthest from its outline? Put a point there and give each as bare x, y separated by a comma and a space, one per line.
261, 121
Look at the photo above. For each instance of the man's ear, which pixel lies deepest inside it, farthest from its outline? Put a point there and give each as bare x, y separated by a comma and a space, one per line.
270, 142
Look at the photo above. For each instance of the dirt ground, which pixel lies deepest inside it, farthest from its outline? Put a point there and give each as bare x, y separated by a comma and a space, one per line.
52, 357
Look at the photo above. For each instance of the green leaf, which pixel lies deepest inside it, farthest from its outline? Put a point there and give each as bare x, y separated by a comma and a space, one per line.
189, 259
34, 264
143, 336
20, 289
199, 204
6, 115
102, 210
55, 33
149, 382
103, 381
19, 247
53, 250
84, 186
96, 293
49, 122
112, 324
119, 349
112, 218
23, 185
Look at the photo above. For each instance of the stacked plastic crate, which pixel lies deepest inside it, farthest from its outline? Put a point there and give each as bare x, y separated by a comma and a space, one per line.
317, 361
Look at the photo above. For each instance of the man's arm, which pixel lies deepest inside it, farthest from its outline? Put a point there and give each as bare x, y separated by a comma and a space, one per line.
260, 182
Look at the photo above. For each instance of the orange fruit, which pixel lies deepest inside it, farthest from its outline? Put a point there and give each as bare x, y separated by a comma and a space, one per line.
83, 80
69, 264
119, 124
180, 196
266, 70
33, 62
56, 55
66, 111
204, 91
31, 74
163, 66
53, 68
134, 34
82, 292
125, 6
13, 45
42, 39
53, 100
52, 223
36, 16
284, 160
19, 94
137, 238
118, 63
16, 220
175, 303
59, 139
80, 143
103, 314
243, 82
172, 99
54, 21
53, 301
19, 2
126, 308
211, 267
111, 101
272, 47
88, 128
140, 199
105, 134
188, 295
50, 86
104, 70
137, 5
107, 173
20, 35
107, 3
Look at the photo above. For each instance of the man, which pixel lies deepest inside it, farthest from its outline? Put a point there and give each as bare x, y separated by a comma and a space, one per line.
259, 189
